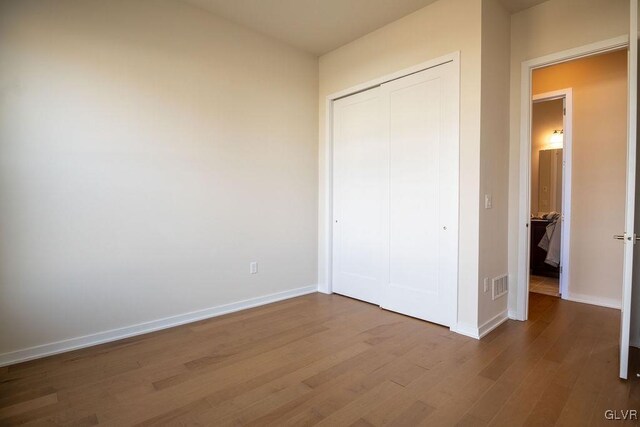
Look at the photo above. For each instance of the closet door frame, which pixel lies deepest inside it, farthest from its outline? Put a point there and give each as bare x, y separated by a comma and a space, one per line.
327, 266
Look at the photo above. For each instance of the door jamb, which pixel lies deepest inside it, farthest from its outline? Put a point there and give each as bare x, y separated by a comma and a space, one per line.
565, 240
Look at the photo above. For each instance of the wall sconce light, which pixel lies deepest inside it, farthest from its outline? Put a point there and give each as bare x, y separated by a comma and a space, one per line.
556, 139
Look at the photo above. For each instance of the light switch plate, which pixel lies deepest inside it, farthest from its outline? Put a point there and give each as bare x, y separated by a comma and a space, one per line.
488, 202
253, 267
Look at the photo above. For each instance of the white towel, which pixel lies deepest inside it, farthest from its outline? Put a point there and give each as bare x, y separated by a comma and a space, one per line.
553, 253
550, 242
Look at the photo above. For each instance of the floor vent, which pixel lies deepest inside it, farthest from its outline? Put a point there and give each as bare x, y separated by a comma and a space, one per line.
499, 286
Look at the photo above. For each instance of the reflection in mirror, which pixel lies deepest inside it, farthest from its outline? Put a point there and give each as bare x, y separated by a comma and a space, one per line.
550, 181
547, 125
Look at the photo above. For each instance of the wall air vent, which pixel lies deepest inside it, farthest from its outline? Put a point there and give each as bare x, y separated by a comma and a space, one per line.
499, 286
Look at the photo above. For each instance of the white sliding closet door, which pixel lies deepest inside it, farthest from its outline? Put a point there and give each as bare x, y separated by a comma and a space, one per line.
422, 120
360, 169
395, 231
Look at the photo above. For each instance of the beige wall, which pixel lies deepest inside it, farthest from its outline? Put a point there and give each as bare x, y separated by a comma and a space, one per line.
494, 156
433, 31
598, 176
546, 117
535, 33
148, 152
198, 152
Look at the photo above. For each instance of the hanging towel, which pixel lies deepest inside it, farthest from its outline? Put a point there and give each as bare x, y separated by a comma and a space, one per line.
550, 242
553, 253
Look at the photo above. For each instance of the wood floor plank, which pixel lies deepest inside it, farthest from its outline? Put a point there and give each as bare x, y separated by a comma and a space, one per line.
353, 411
488, 406
28, 405
344, 385
331, 360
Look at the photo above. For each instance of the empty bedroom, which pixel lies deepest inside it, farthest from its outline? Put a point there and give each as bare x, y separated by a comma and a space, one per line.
317, 212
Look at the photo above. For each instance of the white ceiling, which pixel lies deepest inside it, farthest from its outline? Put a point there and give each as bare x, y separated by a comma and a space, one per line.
319, 26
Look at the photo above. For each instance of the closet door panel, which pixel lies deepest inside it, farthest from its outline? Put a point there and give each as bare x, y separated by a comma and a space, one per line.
414, 129
420, 116
360, 197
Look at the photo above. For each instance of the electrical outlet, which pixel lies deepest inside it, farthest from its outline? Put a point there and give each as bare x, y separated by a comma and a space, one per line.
253, 267
486, 284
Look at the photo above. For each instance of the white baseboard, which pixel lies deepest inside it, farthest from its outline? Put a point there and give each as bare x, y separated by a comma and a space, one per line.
324, 288
146, 327
588, 299
493, 323
466, 330
484, 329
513, 315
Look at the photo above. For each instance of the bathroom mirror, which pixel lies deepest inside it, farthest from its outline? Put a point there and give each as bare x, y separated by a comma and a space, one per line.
550, 180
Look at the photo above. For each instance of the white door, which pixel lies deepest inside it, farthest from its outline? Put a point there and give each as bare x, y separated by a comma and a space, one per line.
629, 236
421, 117
360, 171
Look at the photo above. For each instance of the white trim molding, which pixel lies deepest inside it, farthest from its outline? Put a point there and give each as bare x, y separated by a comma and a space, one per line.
493, 323
590, 299
146, 327
567, 160
466, 330
484, 329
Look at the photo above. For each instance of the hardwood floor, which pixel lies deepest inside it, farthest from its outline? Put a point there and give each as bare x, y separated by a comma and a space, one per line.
333, 361
544, 285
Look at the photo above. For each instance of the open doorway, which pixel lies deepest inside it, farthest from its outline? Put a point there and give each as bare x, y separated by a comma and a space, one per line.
551, 114
578, 146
